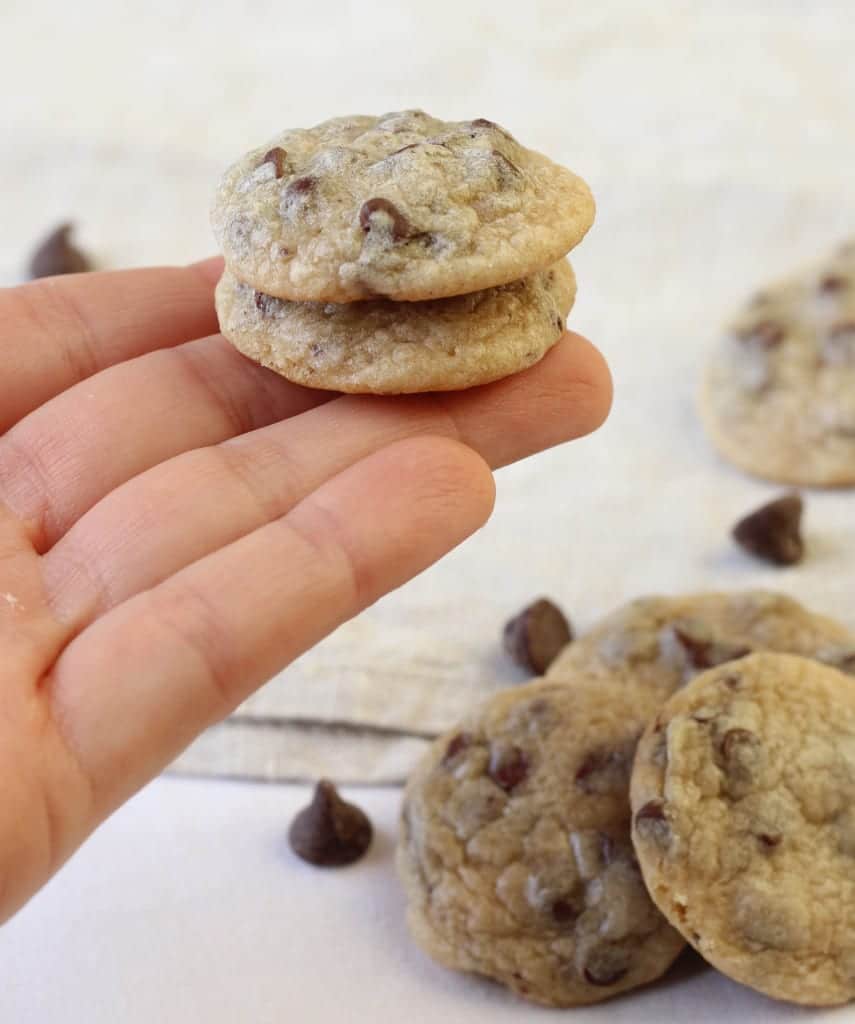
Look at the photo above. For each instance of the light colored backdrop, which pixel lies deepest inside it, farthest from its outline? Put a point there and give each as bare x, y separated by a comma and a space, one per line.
718, 140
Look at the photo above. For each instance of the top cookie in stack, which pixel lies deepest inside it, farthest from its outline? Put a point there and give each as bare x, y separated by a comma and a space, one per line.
397, 253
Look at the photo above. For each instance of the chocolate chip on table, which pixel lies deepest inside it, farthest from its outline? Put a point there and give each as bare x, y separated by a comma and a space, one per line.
57, 255
773, 531
330, 832
278, 157
508, 768
400, 226
536, 636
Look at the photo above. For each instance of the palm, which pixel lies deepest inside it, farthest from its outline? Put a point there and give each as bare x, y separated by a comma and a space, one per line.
177, 524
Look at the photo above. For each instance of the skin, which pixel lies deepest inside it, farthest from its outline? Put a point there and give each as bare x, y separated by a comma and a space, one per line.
177, 524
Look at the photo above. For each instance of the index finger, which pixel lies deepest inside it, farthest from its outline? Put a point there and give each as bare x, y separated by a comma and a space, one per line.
61, 330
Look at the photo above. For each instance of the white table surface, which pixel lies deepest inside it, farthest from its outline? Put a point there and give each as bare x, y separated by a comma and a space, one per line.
718, 139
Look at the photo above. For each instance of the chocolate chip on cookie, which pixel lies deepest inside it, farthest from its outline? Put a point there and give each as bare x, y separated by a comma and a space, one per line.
773, 531
535, 636
330, 832
56, 254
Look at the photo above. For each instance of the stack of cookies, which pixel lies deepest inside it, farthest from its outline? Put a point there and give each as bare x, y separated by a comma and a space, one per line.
397, 254
685, 772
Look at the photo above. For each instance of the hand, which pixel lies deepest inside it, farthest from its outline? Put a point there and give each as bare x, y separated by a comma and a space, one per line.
178, 523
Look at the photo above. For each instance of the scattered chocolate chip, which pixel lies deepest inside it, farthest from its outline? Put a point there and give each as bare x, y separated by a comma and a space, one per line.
265, 304
651, 823
535, 637
606, 965
299, 186
765, 334
456, 745
278, 157
772, 532
702, 650
508, 768
330, 832
831, 284
56, 255
769, 840
401, 227
606, 771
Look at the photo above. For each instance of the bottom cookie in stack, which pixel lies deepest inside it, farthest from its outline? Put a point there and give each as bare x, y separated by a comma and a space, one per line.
380, 346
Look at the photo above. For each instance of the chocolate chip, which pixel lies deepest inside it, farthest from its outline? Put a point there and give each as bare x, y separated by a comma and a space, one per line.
702, 650
400, 226
265, 304
735, 739
278, 157
606, 771
565, 910
508, 768
482, 122
772, 532
330, 832
606, 965
769, 840
765, 334
535, 637
456, 745
299, 186
651, 823
833, 283
56, 255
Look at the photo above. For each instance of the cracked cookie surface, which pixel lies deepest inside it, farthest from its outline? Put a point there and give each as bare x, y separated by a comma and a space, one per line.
402, 206
515, 850
386, 347
778, 398
743, 791
662, 642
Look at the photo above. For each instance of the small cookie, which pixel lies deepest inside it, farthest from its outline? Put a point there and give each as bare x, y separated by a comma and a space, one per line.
515, 850
743, 797
384, 347
662, 642
401, 206
779, 393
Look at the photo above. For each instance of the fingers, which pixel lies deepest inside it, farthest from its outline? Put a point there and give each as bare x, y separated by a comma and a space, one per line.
195, 646
188, 507
60, 330
64, 457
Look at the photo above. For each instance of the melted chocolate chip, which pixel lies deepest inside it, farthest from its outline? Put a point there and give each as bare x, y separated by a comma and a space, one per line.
278, 157
606, 771
300, 186
702, 650
508, 768
832, 284
400, 226
651, 822
535, 637
456, 745
565, 910
773, 531
606, 965
769, 840
56, 255
765, 334
482, 122
330, 832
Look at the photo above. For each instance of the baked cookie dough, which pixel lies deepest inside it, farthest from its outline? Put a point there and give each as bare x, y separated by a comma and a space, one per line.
515, 849
662, 642
778, 397
386, 347
743, 797
402, 206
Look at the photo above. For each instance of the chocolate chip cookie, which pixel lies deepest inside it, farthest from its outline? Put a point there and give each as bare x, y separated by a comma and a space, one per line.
743, 797
779, 393
515, 850
662, 642
402, 206
386, 347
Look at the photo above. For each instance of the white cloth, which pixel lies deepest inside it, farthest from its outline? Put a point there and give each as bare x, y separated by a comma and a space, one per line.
718, 141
